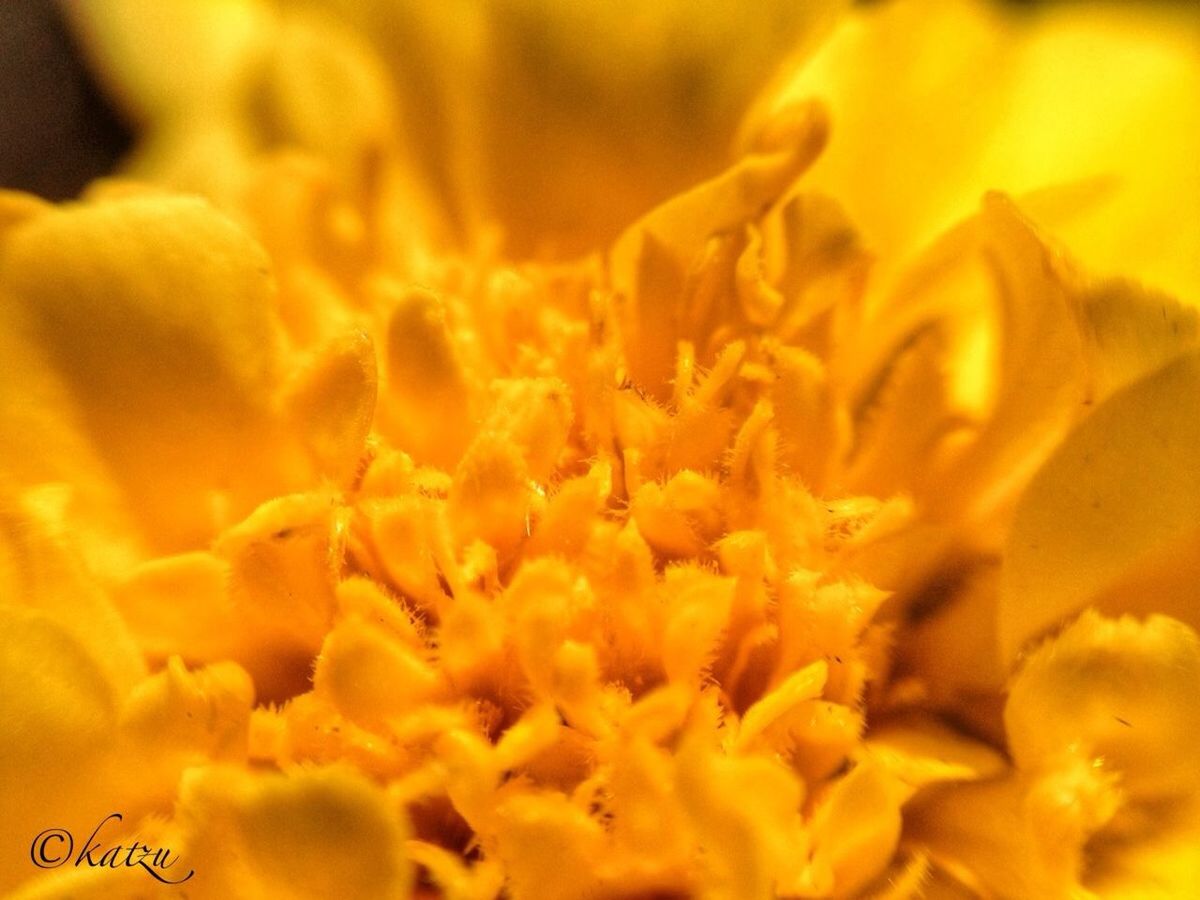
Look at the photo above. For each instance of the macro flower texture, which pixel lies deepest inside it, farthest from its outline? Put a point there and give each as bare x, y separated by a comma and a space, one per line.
541, 450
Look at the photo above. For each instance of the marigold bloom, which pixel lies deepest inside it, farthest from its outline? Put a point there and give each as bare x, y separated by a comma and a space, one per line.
827, 532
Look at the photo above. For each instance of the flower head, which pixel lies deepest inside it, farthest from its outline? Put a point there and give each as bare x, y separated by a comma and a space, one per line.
786, 545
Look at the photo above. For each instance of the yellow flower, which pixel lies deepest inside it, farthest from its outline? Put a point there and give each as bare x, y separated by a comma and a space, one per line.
375, 544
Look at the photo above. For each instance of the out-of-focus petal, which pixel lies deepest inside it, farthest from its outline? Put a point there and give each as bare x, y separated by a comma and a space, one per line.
43, 570
369, 675
549, 847
315, 833
973, 99
129, 40
428, 413
198, 714
924, 98
262, 78
746, 814
156, 314
72, 724
43, 442
321, 89
566, 123
59, 715
1162, 864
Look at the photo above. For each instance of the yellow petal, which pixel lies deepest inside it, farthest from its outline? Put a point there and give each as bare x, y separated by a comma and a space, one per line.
921, 751
404, 534
1099, 721
681, 518
492, 496
1162, 581
953, 648
803, 684
989, 429
320, 88
733, 198
282, 562
877, 88
1149, 230
1130, 331
856, 828
43, 442
812, 425
566, 123
369, 675
1127, 481
1163, 864
977, 99
670, 265
482, 881
1122, 691
264, 597
424, 377
544, 602
698, 612
569, 517
746, 814
176, 719
549, 847
16, 207
534, 415
1017, 836
152, 595
332, 404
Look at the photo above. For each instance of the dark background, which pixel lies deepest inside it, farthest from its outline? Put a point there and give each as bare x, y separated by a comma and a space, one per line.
56, 131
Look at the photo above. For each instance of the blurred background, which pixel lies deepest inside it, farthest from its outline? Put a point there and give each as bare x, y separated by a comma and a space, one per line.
57, 130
